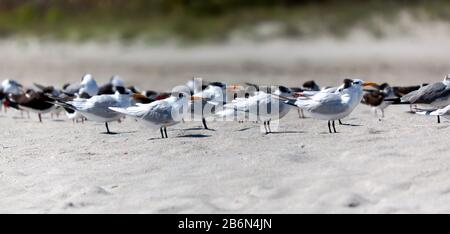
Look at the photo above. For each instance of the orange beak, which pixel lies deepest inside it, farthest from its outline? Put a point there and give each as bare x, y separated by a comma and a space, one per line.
196, 98
373, 84
234, 88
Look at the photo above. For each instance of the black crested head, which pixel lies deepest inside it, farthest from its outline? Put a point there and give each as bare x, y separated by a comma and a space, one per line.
348, 83
121, 90
150, 93
284, 89
133, 89
312, 85
30, 91
48, 89
84, 95
383, 86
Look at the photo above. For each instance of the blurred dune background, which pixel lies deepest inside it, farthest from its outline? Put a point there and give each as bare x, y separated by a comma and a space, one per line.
210, 20
262, 41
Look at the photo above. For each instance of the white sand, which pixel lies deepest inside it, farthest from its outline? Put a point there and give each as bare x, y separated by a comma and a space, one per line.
398, 165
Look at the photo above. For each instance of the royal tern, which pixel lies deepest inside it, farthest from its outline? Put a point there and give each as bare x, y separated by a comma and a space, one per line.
88, 85
158, 114
436, 95
262, 106
205, 102
97, 109
334, 105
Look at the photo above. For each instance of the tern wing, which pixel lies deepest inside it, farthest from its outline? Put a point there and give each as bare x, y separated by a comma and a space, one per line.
429, 93
322, 103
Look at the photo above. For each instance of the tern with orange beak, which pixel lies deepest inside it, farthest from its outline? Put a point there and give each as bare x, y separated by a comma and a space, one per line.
263, 106
97, 107
333, 106
204, 103
160, 114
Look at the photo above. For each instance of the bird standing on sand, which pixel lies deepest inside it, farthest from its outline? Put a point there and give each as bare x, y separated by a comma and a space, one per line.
378, 97
435, 95
209, 98
262, 106
332, 106
159, 114
97, 107
34, 101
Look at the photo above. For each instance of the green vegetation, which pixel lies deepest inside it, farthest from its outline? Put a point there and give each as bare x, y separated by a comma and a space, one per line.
200, 20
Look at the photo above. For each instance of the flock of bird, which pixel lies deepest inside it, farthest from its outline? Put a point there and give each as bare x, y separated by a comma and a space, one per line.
238, 102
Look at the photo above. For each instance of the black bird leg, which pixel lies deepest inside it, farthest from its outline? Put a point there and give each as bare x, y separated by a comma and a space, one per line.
439, 119
204, 123
265, 127
268, 126
329, 126
334, 126
162, 133
40, 117
340, 122
107, 128
165, 131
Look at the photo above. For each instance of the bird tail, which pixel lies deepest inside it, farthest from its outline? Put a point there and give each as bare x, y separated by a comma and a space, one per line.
291, 102
428, 113
67, 106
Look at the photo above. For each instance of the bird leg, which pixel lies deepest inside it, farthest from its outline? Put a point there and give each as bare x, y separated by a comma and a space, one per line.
334, 127
204, 123
268, 126
265, 127
40, 118
329, 126
107, 128
439, 119
301, 115
165, 131
340, 122
162, 133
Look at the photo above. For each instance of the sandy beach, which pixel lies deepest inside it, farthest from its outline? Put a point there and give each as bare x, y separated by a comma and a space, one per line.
398, 165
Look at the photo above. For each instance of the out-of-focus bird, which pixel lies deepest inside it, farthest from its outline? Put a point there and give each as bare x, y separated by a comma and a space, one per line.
262, 106
377, 97
435, 95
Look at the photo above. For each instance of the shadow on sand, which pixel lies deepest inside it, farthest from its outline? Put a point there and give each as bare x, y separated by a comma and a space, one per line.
193, 136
